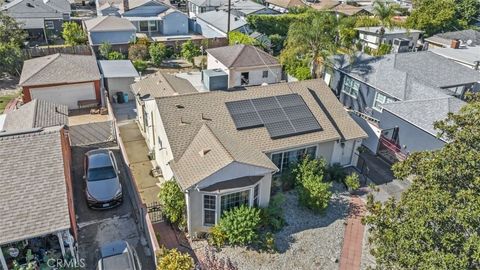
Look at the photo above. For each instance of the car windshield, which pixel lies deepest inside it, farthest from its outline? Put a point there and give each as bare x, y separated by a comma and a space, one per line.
102, 173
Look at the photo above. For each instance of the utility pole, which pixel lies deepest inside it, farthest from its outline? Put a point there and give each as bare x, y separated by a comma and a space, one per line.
228, 20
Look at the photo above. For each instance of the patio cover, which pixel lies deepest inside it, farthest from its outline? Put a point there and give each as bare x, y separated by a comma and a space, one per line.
32, 23
117, 69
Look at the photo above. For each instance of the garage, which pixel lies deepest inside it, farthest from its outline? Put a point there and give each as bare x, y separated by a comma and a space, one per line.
68, 94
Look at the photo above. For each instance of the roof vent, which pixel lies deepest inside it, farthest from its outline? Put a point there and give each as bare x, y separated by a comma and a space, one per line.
30, 5
179, 106
205, 151
183, 123
159, 81
205, 118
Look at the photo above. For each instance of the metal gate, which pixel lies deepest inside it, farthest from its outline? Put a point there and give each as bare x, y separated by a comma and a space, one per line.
154, 210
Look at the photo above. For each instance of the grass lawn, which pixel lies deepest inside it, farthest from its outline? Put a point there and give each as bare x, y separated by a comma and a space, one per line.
4, 101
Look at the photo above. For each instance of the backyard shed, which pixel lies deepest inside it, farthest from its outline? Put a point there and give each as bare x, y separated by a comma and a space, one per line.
118, 75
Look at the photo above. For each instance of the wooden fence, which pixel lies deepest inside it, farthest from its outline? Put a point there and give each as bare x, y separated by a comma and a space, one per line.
43, 51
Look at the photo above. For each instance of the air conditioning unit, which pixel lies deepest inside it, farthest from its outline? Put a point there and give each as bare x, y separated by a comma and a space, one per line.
400, 45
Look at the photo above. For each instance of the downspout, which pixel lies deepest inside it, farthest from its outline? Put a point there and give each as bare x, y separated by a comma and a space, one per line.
189, 222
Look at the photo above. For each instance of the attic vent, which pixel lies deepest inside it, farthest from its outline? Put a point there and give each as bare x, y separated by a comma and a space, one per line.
183, 123
237, 18
179, 106
30, 5
205, 118
203, 152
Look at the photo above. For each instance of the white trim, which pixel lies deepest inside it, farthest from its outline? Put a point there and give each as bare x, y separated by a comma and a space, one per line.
60, 240
290, 150
2, 259
351, 87
203, 209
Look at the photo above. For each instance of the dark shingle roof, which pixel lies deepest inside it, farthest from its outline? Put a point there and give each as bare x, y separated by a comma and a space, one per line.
242, 56
35, 114
463, 35
33, 186
219, 19
46, 70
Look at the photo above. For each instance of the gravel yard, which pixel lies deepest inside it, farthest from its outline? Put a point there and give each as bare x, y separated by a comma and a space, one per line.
309, 241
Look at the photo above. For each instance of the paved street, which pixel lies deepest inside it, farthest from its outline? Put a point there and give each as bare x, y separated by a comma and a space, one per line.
99, 227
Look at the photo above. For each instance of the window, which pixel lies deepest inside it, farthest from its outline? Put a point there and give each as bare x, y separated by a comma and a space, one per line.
143, 26
233, 200
351, 87
284, 160
265, 74
209, 210
49, 25
152, 25
255, 195
381, 99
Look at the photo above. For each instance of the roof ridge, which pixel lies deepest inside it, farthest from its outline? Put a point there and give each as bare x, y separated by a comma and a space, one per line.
220, 142
239, 53
103, 18
56, 56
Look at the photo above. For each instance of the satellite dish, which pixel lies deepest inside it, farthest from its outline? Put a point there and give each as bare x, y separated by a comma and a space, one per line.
469, 42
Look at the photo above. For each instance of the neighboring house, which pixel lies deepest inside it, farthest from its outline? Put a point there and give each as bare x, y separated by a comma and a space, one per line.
408, 79
349, 10
372, 37
282, 6
214, 24
118, 75
109, 8
155, 86
223, 148
462, 47
156, 18
67, 79
41, 19
243, 8
35, 114
37, 197
324, 4
241, 65
196, 7
111, 29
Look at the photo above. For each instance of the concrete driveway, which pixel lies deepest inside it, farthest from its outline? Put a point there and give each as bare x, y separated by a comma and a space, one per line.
99, 227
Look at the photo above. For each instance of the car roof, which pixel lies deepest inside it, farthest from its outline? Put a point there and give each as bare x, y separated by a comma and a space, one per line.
98, 158
116, 255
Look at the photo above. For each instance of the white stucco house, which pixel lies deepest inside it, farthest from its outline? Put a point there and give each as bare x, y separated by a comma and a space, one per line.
372, 37
244, 65
224, 148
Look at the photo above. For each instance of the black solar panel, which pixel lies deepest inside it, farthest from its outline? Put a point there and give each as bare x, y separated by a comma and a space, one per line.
282, 116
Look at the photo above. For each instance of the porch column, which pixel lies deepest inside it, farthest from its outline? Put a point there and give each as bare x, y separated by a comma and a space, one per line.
70, 246
2, 260
60, 240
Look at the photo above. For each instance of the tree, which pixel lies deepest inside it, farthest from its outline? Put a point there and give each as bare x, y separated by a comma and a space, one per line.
137, 52
315, 40
173, 201
385, 11
436, 222
240, 38
468, 11
114, 55
190, 51
73, 34
433, 16
158, 53
11, 31
11, 58
105, 48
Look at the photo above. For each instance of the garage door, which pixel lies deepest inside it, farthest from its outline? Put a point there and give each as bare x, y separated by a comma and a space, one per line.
65, 94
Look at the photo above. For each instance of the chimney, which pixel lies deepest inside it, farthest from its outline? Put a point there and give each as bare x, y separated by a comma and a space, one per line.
125, 5
455, 44
477, 65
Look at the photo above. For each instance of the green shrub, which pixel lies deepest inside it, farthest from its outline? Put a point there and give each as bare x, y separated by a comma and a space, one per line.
336, 173
115, 56
190, 50
268, 241
140, 65
137, 52
73, 34
240, 225
104, 49
287, 179
352, 181
273, 216
158, 53
217, 237
173, 202
240, 38
313, 193
173, 259
143, 41
383, 49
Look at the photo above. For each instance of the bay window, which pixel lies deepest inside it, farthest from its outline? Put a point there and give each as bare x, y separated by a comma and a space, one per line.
233, 200
351, 87
381, 99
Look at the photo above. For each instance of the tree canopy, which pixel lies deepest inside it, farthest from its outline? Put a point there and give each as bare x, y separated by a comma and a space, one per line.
73, 34
12, 37
436, 223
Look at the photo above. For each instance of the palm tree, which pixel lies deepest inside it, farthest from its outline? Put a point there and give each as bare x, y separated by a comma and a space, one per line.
315, 39
385, 11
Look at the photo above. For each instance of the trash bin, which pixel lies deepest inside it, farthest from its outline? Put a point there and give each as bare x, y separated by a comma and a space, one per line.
125, 97
120, 97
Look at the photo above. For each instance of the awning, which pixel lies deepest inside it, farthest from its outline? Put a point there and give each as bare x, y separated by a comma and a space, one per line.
32, 23
234, 183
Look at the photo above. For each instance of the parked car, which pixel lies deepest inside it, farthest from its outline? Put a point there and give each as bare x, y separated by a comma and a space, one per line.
118, 255
103, 188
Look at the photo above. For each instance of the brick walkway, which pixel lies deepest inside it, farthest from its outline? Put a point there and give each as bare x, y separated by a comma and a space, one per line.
351, 256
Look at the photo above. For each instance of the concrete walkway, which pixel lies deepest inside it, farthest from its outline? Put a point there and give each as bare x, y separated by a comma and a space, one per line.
140, 165
351, 256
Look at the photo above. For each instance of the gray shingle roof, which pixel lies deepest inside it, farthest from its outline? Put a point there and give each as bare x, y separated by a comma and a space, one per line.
287, 3
208, 3
59, 68
37, 113
32, 183
423, 113
37, 9
209, 108
162, 85
244, 7
219, 20
406, 76
463, 35
109, 24
241, 55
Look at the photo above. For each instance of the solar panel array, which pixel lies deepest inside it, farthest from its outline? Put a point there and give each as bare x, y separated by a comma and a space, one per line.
282, 116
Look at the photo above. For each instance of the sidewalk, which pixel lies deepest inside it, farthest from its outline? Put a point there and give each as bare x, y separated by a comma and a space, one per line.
351, 256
